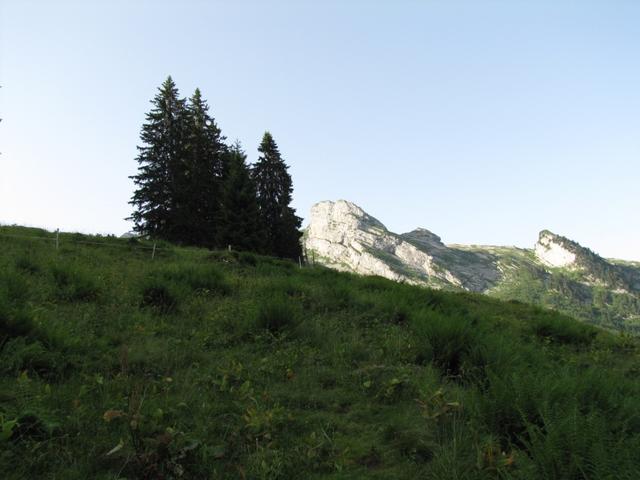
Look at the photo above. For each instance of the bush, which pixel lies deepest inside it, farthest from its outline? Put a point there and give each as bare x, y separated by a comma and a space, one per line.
13, 288
291, 286
74, 284
396, 306
160, 296
414, 443
15, 320
375, 284
13, 323
334, 296
571, 444
444, 341
31, 426
564, 330
20, 354
22, 344
508, 404
27, 265
276, 314
247, 258
200, 278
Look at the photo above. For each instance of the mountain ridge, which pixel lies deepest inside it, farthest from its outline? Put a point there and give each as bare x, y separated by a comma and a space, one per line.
344, 236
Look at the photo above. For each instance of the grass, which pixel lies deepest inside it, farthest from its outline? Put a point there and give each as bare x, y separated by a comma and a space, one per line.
201, 364
573, 293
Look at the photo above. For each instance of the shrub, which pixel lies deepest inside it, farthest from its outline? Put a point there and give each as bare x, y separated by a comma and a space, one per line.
30, 425
13, 288
22, 344
563, 330
74, 284
444, 341
163, 289
20, 354
291, 286
247, 258
395, 306
160, 296
335, 296
509, 403
375, 284
571, 444
13, 323
200, 278
277, 313
223, 256
414, 443
27, 265
491, 352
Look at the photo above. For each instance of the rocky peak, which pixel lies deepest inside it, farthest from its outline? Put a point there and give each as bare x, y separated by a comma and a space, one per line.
556, 251
341, 235
424, 237
343, 213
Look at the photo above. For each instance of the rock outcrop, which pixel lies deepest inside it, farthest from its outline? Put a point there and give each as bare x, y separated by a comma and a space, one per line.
555, 251
343, 236
559, 252
557, 272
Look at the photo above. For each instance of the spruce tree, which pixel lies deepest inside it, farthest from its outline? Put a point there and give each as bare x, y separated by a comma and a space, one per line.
206, 154
274, 189
241, 226
157, 200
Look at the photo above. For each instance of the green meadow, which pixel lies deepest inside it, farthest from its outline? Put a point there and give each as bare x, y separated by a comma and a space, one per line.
198, 364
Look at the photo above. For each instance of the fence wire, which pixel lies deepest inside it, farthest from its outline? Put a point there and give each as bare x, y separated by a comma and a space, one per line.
62, 240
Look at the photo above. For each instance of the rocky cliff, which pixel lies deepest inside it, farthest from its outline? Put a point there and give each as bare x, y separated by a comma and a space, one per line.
557, 272
343, 236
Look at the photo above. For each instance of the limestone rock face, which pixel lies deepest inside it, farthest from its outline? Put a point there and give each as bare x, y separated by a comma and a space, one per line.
559, 252
424, 237
343, 236
555, 251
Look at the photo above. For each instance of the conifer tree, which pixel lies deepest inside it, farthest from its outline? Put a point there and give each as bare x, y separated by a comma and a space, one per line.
241, 226
274, 188
206, 154
157, 201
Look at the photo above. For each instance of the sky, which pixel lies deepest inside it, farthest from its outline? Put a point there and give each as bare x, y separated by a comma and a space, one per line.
483, 121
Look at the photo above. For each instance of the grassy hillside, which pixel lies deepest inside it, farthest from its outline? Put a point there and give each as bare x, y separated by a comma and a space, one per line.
202, 365
574, 293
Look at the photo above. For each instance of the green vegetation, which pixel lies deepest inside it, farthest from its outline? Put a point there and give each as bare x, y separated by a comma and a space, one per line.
201, 364
615, 275
571, 293
193, 189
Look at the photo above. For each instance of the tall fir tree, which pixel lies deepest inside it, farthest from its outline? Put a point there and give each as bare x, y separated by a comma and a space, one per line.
241, 225
157, 200
206, 156
274, 188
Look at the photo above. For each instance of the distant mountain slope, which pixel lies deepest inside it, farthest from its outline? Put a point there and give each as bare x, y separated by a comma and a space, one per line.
556, 273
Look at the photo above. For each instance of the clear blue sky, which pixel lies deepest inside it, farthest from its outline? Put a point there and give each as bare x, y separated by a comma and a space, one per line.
484, 121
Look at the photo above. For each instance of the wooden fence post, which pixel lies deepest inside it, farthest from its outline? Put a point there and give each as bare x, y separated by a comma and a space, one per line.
153, 252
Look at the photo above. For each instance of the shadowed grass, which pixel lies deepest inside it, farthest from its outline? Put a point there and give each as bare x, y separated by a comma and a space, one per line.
202, 364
